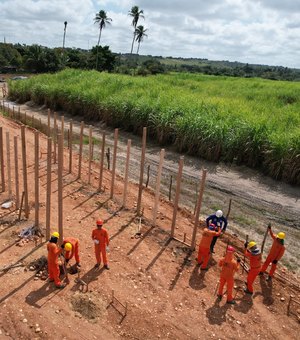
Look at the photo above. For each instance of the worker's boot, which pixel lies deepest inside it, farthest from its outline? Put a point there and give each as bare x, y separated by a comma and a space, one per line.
269, 278
61, 286
232, 302
106, 266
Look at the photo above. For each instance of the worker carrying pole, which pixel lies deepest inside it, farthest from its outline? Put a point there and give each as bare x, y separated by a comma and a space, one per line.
204, 246
53, 253
229, 266
276, 252
254, 255
218, 220
71, 248
101, 241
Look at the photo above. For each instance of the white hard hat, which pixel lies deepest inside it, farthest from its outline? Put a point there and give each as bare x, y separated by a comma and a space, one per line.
219, 213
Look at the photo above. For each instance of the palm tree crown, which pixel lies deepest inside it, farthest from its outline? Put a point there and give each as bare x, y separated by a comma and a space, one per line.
140, 33
135, 13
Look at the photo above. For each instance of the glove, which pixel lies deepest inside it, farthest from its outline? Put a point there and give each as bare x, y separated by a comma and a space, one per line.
62, 246
96, 241
274, 262
67, 260
269, 226
246, 244
107, 249
238, 260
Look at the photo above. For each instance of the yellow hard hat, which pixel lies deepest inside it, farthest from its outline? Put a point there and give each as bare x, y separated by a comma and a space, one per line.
251, 244
68, 246
55, 234
281, 236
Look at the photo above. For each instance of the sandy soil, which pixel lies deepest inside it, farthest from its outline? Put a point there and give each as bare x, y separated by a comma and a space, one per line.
167, 296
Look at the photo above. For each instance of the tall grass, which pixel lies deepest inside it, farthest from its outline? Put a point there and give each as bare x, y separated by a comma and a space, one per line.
254, 122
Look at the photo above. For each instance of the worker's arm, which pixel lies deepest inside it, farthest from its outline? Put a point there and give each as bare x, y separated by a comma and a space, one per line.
208, 219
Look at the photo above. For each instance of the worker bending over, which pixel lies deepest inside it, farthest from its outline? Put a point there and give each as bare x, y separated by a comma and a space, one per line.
53, 253
275, 254
101, 241
219, 221
71, 247
204, 246
229, 266
253, 253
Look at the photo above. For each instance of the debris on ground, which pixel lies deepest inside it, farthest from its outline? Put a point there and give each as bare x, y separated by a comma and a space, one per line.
40, 266
88, 306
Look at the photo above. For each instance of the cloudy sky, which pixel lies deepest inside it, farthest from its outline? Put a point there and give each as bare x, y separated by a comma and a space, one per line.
253, 31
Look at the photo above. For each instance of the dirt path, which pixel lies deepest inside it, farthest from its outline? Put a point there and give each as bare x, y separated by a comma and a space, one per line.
168, 296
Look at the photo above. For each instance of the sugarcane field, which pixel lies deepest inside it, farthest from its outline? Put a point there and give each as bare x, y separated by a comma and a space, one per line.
106, 235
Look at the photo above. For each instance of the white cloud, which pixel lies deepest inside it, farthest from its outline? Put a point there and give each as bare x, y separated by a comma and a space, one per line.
256, 31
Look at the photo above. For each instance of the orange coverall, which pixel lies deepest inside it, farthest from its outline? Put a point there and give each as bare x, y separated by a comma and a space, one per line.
100, 249
229, 267
53, 268
255, 266
276, 253
204, 246
75, 249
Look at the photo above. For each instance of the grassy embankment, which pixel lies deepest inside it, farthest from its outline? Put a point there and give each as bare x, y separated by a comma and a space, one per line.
253, 122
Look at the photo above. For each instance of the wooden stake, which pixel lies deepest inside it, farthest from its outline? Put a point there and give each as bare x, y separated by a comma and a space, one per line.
101, 162
90, 152
264, 240
229, 208
2, 160
60, 187
70, 146
49, 123
177, 194
48, 198
247, 237
21, 205
139, 201
148, 175
24, 159
8, 164
36, 180
170, 188
80, 149
16, 172
63, 129
158, 179
126, 173
193, 244
113, 174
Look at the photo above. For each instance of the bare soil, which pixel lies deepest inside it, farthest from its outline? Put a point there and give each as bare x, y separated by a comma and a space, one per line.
166, 294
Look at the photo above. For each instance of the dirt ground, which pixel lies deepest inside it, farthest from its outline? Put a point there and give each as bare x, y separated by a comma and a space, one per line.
167, 296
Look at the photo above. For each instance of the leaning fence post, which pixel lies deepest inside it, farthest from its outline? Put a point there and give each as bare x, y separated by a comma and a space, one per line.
80, 149
158, 179
2, 160
48, 198
177, 194
193, 243
60, 186
113, 173
90, 152
126, 172
101, 162
24, 158
70, 145
8, 164
36, 174
16, 172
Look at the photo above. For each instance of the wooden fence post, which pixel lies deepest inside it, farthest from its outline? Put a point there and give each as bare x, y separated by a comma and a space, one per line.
101, 162
70, 145
80, 149
90, 152
24, 159
177, 194
201, 191
49, 123
60, 186
48, 198
113, 174
8, 164
16, 172
2, 160
36, 179
126, 172
158, 179
139, 201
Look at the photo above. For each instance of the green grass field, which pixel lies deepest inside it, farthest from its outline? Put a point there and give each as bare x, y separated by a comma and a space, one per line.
254, 122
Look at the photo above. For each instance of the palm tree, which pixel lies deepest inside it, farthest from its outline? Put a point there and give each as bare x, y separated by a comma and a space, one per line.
135, 13
140, 33
101, 19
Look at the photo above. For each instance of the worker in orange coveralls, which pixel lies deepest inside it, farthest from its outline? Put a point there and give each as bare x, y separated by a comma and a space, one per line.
71, 247
253, 253
204, 246
229, 267
101, 240
53, 253
275, 254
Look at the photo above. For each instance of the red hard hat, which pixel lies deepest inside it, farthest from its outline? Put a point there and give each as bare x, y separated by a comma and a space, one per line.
99, 222
230, 249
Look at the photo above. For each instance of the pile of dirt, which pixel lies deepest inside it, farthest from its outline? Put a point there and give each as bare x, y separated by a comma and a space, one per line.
88, 306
